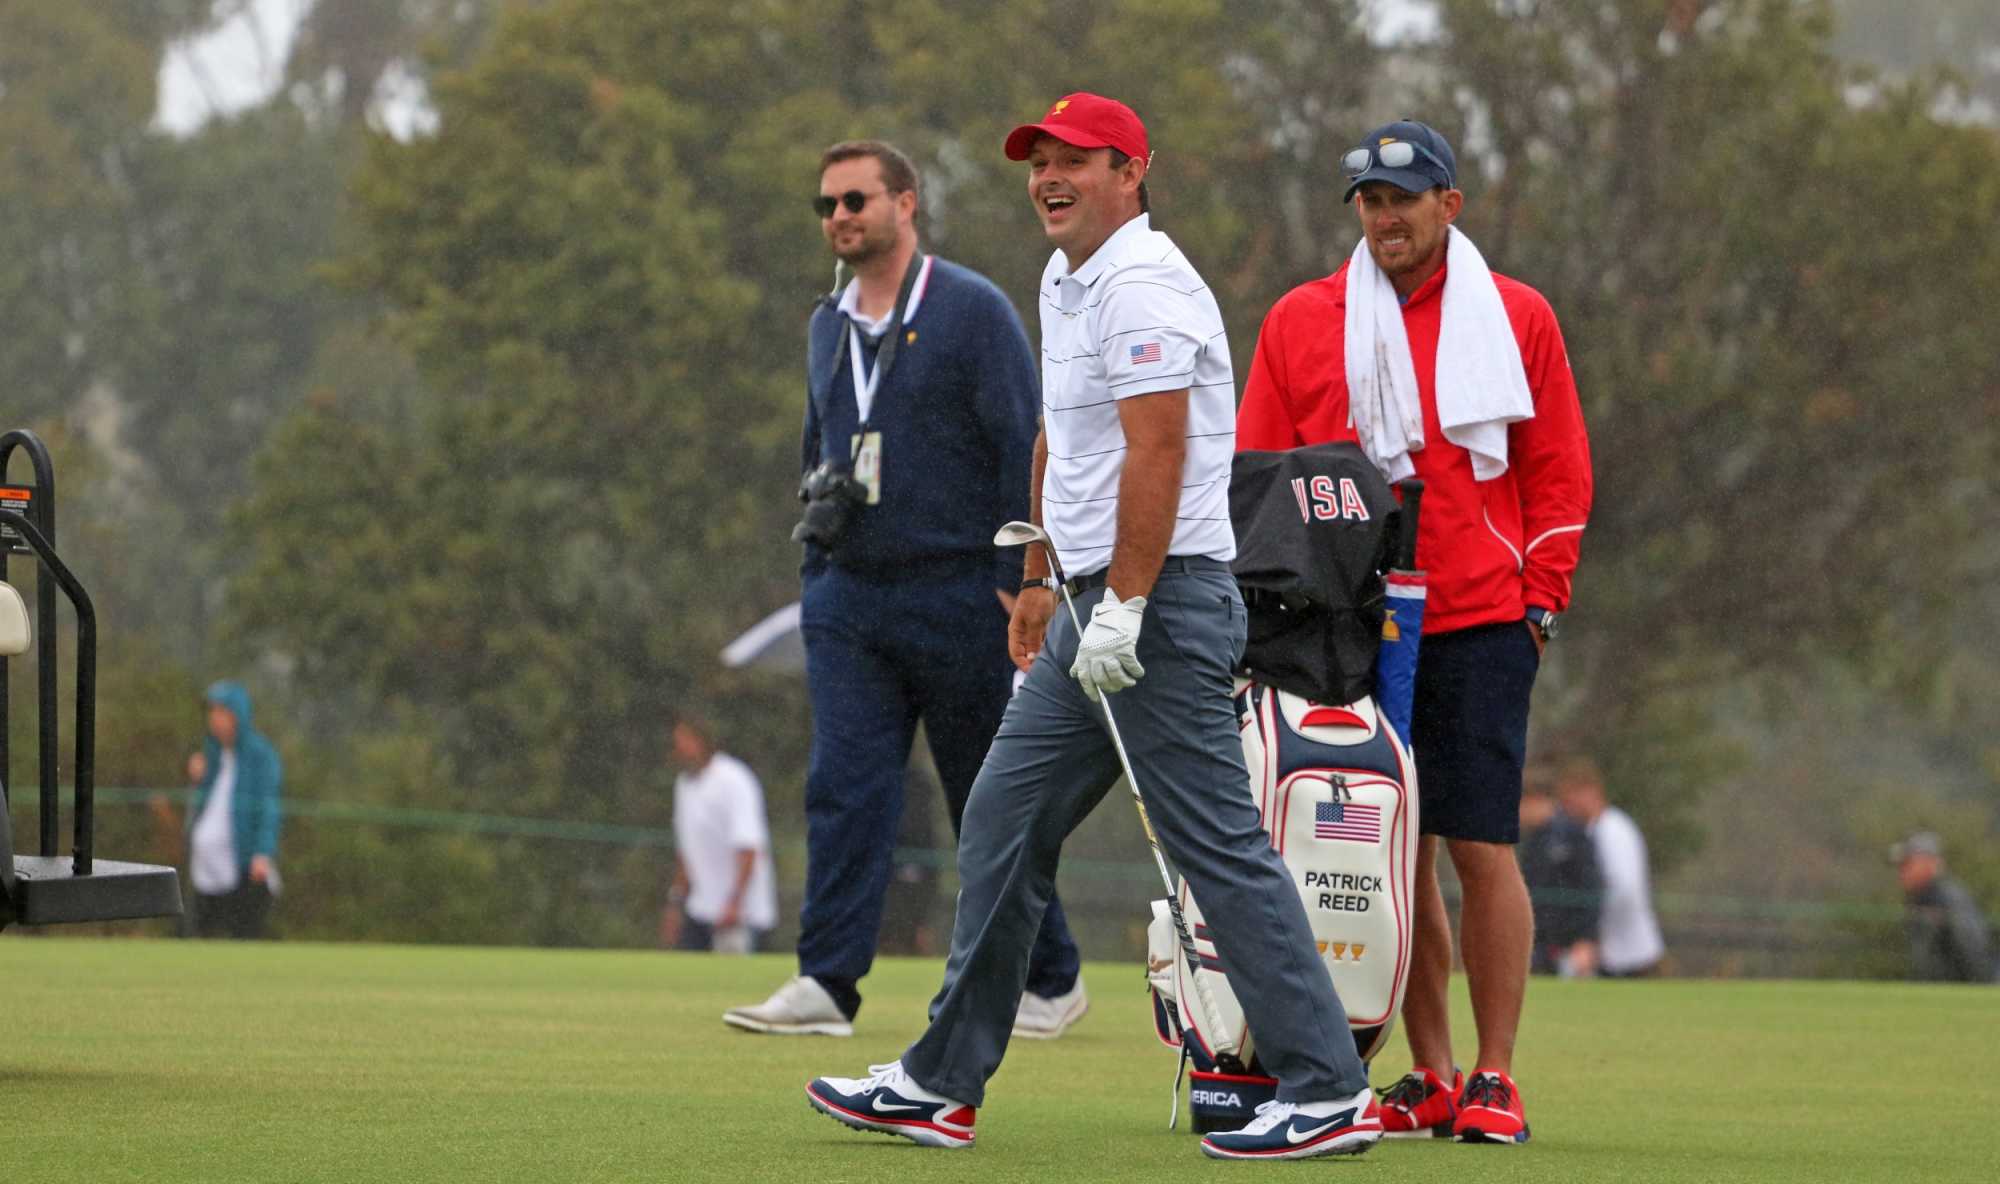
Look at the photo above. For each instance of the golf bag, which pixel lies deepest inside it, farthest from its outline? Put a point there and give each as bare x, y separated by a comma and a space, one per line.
1322, 704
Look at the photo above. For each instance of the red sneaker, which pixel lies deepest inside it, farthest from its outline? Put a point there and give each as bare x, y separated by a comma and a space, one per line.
1489, 1110
1420, 1105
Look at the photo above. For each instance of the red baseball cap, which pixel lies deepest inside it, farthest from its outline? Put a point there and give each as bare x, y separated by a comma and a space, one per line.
1087, 121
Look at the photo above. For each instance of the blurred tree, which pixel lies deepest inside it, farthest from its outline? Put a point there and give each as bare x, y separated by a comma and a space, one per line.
221, 321
353, 56
158, 293
1920, 36
76, 91
1764, 287
77, 85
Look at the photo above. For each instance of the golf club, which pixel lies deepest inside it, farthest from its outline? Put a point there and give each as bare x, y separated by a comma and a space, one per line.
1223, 1044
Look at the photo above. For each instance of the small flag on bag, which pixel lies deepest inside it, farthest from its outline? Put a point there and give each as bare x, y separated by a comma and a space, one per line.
1347, 822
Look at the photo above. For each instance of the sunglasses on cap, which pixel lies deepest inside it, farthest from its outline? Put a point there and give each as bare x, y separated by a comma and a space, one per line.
825, 204
1396, 154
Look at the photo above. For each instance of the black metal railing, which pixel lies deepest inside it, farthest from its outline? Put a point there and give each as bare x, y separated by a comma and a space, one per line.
84, 770
42, 509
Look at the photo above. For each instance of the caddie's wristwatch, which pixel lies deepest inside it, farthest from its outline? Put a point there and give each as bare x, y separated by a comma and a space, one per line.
1544, 622
1048, 582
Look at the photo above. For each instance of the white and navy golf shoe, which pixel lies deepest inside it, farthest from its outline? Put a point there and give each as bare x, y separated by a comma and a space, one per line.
887, 1101
1302, 1130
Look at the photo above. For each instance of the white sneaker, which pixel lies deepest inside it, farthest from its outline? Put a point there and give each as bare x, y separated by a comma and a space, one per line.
799, 1008
1302, 1130
890, 1102
1042, 1018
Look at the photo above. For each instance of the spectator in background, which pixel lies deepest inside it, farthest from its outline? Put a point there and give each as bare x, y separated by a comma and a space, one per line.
1949, 938
1628, 935
1559, 864
724, 895
233, 827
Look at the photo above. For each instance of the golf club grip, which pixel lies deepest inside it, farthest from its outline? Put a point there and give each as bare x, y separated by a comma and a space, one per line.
1406, 525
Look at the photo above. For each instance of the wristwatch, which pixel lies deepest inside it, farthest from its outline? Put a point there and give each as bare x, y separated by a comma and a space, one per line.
1544, 622
1048, 582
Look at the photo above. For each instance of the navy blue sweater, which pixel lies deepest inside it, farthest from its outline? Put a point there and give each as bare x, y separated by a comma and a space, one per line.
957, 416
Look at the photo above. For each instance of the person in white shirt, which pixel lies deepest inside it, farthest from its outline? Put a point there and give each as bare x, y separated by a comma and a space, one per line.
1131, 482
1628, 934
724, 895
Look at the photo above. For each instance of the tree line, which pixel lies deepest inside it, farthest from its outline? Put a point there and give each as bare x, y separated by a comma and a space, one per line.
472, 450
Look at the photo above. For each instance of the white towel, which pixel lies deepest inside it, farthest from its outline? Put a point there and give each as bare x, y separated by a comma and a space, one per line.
1481, 385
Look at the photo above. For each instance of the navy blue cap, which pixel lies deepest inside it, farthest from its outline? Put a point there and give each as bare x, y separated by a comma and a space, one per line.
1431, 167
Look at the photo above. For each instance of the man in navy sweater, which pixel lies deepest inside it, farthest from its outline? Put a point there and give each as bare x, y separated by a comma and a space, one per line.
906, 602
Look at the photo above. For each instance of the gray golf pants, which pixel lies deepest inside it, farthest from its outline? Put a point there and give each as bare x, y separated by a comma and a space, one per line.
1051, 763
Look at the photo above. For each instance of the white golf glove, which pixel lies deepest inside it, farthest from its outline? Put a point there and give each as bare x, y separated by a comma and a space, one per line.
1107, 657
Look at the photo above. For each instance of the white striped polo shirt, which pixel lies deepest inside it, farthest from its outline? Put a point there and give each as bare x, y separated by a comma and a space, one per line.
1135, 319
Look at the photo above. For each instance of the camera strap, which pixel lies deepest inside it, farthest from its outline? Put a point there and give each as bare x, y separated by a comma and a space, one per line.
866, 381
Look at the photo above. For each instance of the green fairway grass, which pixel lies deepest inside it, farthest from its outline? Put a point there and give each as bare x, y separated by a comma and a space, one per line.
185, 1061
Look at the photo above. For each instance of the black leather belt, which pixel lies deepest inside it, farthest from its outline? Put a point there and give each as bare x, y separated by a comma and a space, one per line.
1175, 565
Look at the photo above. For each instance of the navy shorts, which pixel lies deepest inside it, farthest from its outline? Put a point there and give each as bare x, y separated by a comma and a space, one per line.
1469, 725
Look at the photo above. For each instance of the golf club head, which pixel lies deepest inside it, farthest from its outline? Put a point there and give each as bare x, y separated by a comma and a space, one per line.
1016, 534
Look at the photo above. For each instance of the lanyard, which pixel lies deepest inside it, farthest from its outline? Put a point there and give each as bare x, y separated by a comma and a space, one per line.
865, 381
868, 379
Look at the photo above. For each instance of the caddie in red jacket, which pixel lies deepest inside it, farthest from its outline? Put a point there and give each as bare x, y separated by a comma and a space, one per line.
1443, 370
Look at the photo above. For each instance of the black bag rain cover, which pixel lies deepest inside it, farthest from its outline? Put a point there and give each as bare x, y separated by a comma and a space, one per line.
1315, 530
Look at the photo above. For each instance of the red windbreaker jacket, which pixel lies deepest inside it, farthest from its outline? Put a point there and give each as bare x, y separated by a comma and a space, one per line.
1492, 548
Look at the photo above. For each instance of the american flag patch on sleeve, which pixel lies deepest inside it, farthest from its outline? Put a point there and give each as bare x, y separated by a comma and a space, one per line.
1145, 352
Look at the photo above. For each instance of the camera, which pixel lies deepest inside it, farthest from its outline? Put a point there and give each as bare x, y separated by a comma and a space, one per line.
830, 495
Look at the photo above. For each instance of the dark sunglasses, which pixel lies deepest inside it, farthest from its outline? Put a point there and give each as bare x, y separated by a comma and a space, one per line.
1396, 154
825, 204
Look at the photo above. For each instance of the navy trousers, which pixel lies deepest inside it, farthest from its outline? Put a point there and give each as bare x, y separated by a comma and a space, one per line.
880, 656
1051, 764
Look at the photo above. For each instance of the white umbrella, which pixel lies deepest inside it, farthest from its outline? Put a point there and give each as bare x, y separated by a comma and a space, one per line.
773, 643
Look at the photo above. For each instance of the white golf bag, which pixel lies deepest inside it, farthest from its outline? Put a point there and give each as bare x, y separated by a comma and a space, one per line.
1337, 793
1335, 786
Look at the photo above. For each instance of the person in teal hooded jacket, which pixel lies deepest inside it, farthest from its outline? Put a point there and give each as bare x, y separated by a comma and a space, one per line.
233, 833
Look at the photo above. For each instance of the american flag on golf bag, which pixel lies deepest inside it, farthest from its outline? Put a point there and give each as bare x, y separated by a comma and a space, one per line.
1147, 352
1347, 822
